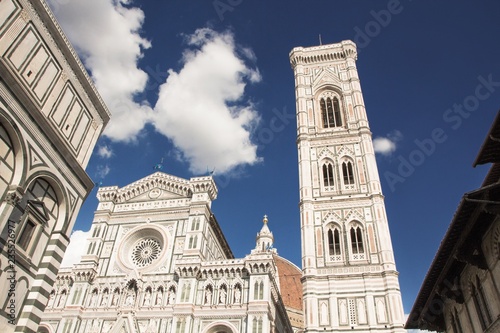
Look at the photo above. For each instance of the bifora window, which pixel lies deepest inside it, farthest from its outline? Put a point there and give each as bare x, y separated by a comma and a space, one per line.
330, 112
357, 247
347, 173
328, 175
334, 244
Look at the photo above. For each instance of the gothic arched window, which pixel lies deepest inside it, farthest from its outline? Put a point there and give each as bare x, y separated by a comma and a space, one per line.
334, 244
258, 292
357, 247
347, 173
328, 175
330, 112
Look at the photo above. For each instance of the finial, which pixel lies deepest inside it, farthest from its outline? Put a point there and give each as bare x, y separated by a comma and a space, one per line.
320, 42
265, 219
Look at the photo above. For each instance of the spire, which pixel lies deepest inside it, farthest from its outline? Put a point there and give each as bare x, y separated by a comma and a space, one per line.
265, 239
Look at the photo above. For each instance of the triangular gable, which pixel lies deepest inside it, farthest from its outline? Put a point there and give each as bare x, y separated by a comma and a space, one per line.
355, 214
327, 77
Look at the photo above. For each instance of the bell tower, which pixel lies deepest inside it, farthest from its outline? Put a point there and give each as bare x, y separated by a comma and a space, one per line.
350, 282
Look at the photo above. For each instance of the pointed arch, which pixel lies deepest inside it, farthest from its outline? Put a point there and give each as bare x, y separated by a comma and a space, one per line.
331, 113
328, 174
347, 172
334, 242
357, 241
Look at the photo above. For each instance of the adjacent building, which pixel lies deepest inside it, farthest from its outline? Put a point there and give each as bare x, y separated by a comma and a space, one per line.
50, 119
461, 291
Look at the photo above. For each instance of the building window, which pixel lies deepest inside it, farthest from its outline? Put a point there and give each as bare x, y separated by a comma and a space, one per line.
257, 325
480, 304
193, 242
258, 291
328, 175
195, 225
330, 112
334, 244
40, 190
26, 234
357, 248
347, 173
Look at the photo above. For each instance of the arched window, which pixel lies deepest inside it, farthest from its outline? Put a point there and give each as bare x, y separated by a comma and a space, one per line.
196, 224
258, 292
334, 244
357, 247
330, 112
257, 325
41, 207
482, 310
348, 173
328, 175
193, 242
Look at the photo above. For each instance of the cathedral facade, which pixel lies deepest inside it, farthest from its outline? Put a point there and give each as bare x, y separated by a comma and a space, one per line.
158, 261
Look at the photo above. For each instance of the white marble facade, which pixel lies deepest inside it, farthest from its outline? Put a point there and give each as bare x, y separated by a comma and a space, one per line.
157, 261
350, 280
50, 119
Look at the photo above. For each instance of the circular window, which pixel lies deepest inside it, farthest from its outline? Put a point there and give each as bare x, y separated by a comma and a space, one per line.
145, 252
142, 248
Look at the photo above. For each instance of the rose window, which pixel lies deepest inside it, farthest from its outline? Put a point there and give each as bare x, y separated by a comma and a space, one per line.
145, 252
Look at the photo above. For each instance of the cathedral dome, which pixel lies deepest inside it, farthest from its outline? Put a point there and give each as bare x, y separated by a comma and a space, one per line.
290, 285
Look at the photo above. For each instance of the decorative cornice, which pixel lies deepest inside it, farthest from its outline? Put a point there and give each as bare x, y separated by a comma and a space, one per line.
323, 54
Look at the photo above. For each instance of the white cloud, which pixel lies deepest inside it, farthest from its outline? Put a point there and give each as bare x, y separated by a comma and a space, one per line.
202, 107
106, 36
104, 151
387, 145
76, 248
102, 170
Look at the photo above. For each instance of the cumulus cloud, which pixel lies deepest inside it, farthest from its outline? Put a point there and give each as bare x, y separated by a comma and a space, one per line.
104, 151
202, 108
387, 145
76, 248
106, 34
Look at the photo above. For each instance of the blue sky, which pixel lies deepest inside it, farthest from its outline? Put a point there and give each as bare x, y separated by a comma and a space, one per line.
207, 85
